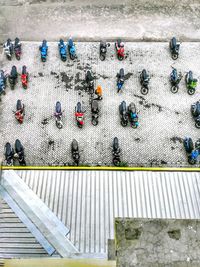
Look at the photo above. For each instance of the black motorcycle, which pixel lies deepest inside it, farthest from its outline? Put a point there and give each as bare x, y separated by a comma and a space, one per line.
89, 79
58, 115
75, 151
175, 79
103, 50
19, 149
120, 79
116, 152
188, 144
3, 79
144, 81
9, 154
13, 77
8, 49
17, 48
195, 109
95, 112
123, 114
174, 48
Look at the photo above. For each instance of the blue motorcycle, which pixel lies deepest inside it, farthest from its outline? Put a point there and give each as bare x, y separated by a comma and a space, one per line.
71, 49
193, 152
133, 117
120, 80
2, 83
63, 50
43, 50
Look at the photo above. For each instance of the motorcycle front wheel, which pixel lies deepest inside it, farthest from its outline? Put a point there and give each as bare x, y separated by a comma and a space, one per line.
191, 91
59, 124
72, 57
174, 56
134, 126
124, 123
120, 58
174, 89
95, 122
197, 125
192, 161
144, 91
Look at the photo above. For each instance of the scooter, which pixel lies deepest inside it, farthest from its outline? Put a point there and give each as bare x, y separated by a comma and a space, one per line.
17, 48
58, 115
9, 154
191, 83
75, 151
71, 49
79, 114
193, 153
132, 114
89, 79
123, 114
95, 112
119, 46
3, 78
195, 110
103, 50
144, 81
43, 50
20, 112
8, 49
24, 77
13, 77
174, 48
120, 79
193, 157
63, 50
175, 79
19, 149
116, 152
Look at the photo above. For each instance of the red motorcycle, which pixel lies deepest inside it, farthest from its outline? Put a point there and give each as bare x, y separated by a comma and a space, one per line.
24, 77
79, 114
120, 49
19, 114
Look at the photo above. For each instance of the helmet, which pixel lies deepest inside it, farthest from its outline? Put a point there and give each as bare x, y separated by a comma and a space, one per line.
121, 44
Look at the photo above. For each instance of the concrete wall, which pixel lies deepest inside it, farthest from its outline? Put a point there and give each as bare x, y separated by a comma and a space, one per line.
93, 20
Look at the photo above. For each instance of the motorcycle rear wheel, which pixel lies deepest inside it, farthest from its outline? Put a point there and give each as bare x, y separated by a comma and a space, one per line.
191, 161
120, 57
174, 56
116, 162
124, 123
95, 122
72, 57
197, 125
59, 124
174, 89
134, 126
191, 91
102, 57
144, 91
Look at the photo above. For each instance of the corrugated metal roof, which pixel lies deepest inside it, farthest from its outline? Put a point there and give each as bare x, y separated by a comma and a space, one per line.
88, 201
16, 241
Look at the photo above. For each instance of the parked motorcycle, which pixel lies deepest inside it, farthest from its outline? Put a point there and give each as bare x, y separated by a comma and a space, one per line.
174, 48
120, 79
144, 81
191, 83
19, 149
13, 77
3, 78
188, 144
17, 48
95, 112
103, 50
119, 46
195, 109
9, 154
20, 112
43, 50
71, 49
8, 49
75, 151
193, 157
132, 114
24, 77
175, 79
123, 114
89, 79
116, 152
79, 114
58, 115
62, 50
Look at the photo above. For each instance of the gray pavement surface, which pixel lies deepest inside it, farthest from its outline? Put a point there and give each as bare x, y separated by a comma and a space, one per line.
33, 20
164, 118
